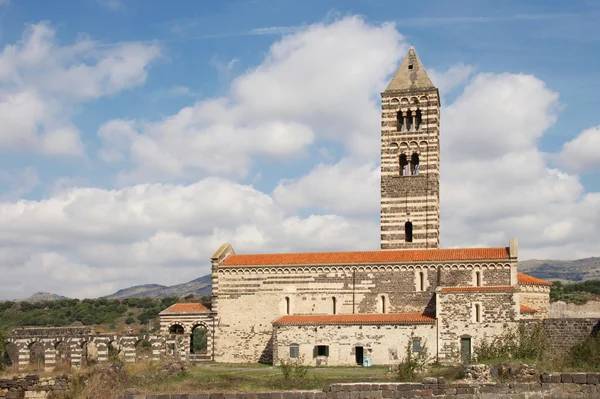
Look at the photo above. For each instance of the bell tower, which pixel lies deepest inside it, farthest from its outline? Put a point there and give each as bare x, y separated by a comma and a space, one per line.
410, 159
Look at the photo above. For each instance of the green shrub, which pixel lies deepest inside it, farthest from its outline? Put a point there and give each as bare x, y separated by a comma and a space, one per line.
522, 343
586, 354
293, 367
413, 363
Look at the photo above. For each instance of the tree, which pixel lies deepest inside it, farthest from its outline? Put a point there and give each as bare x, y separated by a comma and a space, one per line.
2, 349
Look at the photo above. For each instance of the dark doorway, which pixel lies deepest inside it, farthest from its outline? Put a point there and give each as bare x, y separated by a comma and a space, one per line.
465, 349
359, 355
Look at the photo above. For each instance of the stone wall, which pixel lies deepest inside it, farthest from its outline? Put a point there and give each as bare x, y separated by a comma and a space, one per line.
562, 309
250, 299
555, 386
562, 334
537, 297
384, 344
47, 352
32, 386
457, 319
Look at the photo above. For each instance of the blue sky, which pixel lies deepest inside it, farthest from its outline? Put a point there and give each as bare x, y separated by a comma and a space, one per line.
181, 96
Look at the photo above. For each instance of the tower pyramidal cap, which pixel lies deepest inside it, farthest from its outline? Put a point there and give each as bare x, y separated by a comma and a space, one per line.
410, 75
410, 159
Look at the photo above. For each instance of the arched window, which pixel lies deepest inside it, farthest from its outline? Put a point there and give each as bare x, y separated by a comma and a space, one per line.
333, 305
419, 120
414, 164
400, 121
404, 171
287, 305
421, 281
478, 279
409, 120
383, 307
408, 230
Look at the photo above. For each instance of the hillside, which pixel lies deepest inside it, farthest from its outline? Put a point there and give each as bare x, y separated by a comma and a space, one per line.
198, 287
43, 296
564, 270
136, 291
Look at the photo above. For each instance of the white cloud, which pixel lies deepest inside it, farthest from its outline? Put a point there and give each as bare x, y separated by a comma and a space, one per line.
277, 109
88, 241
583, 152
454, 77
42, 81
346, 187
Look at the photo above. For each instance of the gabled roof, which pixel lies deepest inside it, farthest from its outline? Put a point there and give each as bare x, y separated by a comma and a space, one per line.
479, 289
526, 279
387, 256
186, 307
527, 309
385, 318
410, 75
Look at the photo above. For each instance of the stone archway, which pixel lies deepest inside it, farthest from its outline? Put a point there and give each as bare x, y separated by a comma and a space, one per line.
143, 350
176, 328
62, 356
37, 355
114, 350
10, 357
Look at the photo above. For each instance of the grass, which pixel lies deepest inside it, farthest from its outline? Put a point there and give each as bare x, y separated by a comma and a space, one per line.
145, 377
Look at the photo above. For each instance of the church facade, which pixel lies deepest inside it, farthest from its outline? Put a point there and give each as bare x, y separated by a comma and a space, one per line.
338, 308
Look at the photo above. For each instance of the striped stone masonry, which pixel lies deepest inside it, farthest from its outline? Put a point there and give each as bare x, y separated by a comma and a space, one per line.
409, 194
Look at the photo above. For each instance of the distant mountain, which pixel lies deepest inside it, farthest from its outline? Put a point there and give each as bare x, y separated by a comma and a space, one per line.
565, 270
199, 287
136, 291
43, 296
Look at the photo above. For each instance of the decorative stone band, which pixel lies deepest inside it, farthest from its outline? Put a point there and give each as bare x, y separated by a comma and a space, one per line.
478, 289
349, 319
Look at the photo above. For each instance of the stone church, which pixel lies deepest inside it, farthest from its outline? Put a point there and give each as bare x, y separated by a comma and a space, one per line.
336, 308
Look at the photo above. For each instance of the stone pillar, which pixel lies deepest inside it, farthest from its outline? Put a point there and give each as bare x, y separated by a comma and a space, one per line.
23, 361
49, 357
404, 121
128, 350
102, 352
157, 348
76, 355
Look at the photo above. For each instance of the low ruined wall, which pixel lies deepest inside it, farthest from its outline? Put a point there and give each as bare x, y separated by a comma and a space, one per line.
562, 334
562, 309
559, 386
32, 386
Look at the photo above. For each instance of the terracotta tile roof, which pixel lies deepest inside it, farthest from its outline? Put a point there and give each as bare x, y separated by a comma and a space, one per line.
386, 318
186, 307
527, 309
478, 289
526, 279
387, 256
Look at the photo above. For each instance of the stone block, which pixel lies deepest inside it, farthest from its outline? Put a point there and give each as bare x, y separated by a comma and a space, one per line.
273, 395
593, 379
555, 378
545, 377
430, 380
425, 392
198, 396
341, 395
384, 394
230, 396
564, 378
320, 395
579, 378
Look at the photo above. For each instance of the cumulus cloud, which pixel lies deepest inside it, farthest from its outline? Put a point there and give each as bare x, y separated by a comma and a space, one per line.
583, 152
41, 81
100, 240
321, 83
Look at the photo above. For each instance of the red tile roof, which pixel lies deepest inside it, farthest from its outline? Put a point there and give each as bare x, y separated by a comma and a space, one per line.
386, 318
387, 256
186, 307
526, 279
478, 289
527, 309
